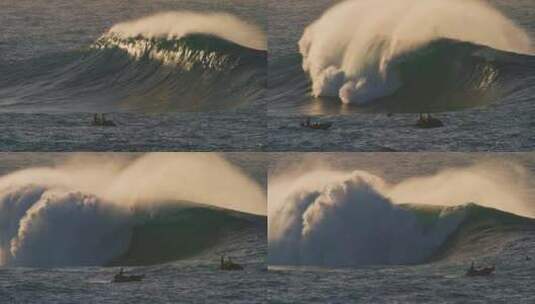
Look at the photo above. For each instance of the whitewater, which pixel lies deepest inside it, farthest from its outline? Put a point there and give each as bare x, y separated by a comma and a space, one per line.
370, 67
85, 212
323, 216
69, 221
359, 66
377, 231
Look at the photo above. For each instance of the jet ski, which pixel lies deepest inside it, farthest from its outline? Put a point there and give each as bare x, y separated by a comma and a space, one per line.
428, 122
101, 121
229, 265
121, 278
482, 272
316, 125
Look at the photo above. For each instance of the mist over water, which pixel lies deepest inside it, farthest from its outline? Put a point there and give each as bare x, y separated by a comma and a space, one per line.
172, 61
83, 211
353, 62
182, 23
352, 51
334, 218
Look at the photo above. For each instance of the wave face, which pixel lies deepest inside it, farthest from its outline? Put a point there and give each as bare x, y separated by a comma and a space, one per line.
353, 220
147, 65
94, 212
462, 57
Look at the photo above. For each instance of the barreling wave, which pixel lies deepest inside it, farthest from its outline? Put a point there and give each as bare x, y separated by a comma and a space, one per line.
128, 68
482, 232
97, 214
413, 56
357, 219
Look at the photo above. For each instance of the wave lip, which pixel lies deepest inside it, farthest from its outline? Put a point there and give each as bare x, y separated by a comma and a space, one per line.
361, 65
206, 51
137, 211
177, 61
173, 25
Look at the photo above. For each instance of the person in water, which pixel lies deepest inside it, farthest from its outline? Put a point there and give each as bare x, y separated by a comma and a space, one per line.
120, 274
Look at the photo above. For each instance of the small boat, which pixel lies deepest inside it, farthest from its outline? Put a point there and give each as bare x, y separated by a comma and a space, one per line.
101, 121
429, 122
121, 278
229, 265
317, 125
482, 272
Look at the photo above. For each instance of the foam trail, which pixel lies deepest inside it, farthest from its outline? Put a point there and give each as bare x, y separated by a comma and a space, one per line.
82, 211
335, 218
350, 51
182, 23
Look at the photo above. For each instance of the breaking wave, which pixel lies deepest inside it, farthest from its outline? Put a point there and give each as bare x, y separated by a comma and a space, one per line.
338, 219
137, 213
411, 56
177, 61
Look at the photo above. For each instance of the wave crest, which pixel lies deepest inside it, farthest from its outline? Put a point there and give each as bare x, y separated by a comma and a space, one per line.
136, 67
173, 25
353, 51
118, 211
330, 218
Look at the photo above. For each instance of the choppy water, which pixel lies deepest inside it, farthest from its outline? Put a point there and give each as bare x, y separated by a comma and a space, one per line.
433, 283
214, 131
194, 280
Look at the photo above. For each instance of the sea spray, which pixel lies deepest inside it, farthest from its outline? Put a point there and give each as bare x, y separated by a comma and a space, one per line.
179, 24
352, 51
83, 211
169, 62
335, 218
349, 222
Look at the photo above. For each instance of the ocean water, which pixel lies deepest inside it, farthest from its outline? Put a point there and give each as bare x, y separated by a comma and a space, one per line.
479, 85
356, 247
192, 280
64, 239
435, 283
188, 81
